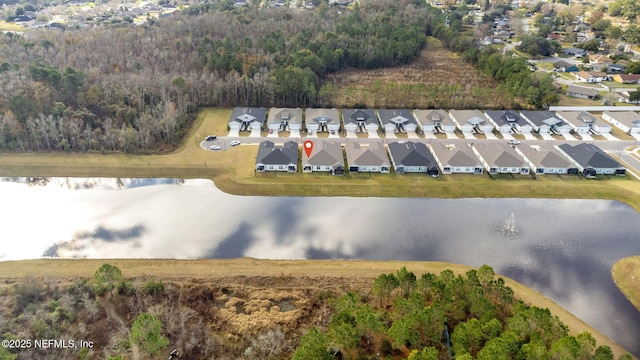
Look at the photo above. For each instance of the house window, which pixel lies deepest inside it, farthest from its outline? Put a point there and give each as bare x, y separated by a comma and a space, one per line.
493, 170
524, 170
318, 167
306, 168
446, 168
539, 170
478, 170
280, 167
384, 168
260, 168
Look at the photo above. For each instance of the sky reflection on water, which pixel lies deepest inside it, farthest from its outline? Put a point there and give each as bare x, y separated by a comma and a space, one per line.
565, 248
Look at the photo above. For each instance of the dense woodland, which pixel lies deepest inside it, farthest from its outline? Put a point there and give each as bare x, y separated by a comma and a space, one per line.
125, 88
471, 316
443, 317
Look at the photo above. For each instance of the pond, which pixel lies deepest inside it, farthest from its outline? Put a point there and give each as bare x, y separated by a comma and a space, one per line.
563, 248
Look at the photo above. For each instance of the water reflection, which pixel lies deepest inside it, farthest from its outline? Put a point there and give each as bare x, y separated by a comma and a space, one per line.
565, 248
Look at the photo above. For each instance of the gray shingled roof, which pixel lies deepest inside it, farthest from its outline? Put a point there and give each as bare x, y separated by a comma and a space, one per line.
270, 154
372, 155
411, 154
396, 116
324, 153
247, 115
355, 115
502, 117
589, 155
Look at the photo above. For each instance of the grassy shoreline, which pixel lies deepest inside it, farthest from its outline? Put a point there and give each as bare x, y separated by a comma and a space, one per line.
220, 270
625, 273
233, 172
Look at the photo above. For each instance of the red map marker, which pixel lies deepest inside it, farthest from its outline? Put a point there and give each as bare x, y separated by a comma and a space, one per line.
308, 147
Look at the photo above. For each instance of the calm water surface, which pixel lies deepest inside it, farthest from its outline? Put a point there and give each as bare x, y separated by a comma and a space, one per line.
565, 248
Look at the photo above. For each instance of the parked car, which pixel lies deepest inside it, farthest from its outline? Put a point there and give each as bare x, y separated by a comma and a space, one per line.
211, 137
235, 143
514, 142
215, 147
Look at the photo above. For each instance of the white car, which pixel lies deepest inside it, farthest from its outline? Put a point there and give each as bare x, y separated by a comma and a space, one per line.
234, 143
514, 142
215, 147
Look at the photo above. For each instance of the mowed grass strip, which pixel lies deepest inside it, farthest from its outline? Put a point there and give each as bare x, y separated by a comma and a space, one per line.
229, 270
233, 172
626, 275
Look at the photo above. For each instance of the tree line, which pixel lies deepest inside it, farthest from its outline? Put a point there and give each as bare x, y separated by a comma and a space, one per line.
432, 317
124, 88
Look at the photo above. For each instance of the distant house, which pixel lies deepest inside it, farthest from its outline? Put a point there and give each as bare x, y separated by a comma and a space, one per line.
546, 159
545, 122
357, 120
582, 92
574, 52
322, 120
600, 59
626, 78
412, 157
625, 96
277, 158
456, 159
582, 122
247, 119
508, 121
627, 121
397, 120
616, 69
591, 160
434, 121
591, 76
326, 156
563, 66
284, 119
470, 120
500, 158
367, 158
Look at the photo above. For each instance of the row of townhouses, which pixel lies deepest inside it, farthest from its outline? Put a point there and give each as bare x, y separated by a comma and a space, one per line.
430, 121
493, 157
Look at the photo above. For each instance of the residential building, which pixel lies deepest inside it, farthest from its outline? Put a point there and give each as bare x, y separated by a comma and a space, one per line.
582, 92
397, 120
322, 120
272, 157
545, 159
434, 121
456, 159
508, 121
470, 121
591, 76
626, 78
627, 121
500, 158
325, 156
412, 157
247, 119
591, 160
284, 119
545, 122
583, 123
360, 120
367, 158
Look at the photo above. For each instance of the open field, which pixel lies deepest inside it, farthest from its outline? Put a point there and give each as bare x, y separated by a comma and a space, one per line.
233, 172
626, 274
438, 78
259, 274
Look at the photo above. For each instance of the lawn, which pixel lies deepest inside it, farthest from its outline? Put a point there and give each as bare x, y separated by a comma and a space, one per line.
233, 172
626, 274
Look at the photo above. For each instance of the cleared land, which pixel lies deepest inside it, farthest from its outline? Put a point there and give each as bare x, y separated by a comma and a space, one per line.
626, 274
287, 275
438, 78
